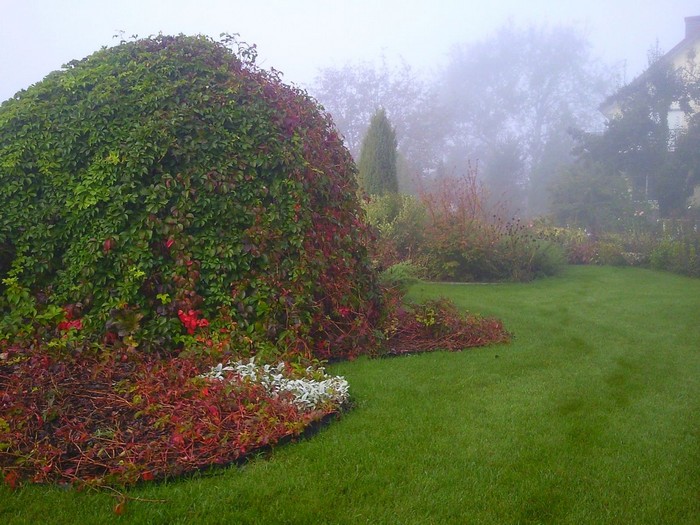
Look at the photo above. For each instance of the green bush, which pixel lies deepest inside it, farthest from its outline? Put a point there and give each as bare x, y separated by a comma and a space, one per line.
377, 164
401, 275
481, 251
577, 245
548, 258
168, 186
675, 247
610, 251
677, 255
452, 237
663, 254
464, 252
400, 222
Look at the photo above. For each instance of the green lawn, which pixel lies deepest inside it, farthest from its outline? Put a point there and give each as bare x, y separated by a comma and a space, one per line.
590, 416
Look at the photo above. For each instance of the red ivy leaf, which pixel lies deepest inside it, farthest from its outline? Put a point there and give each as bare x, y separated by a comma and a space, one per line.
76, 324
177, 440
11, 479
214, 412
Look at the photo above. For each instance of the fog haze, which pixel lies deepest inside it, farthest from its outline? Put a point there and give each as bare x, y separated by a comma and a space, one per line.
300, 37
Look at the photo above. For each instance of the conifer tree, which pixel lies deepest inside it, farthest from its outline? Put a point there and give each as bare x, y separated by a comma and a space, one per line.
377, 166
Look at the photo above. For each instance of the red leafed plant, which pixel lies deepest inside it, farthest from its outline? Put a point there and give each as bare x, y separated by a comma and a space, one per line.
75, 324
122, 417
439, 325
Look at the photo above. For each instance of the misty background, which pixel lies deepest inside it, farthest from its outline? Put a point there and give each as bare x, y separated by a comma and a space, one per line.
494, 84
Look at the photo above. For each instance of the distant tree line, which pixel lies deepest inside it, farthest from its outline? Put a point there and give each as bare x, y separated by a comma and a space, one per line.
521, 104
506, 103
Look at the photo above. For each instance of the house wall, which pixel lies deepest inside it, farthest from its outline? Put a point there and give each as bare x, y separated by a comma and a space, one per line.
687, 57
690, 52
686, 51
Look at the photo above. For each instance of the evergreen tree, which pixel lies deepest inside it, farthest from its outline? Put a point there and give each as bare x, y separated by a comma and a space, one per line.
377, 166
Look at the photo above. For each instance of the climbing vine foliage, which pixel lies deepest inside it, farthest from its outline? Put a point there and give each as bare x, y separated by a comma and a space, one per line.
168, 187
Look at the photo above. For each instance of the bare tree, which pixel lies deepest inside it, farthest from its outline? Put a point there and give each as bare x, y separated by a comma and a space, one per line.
516, 93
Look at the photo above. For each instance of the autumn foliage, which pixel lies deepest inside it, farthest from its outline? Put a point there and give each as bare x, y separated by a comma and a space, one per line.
166, 184
126, 417
453, 233
168, 206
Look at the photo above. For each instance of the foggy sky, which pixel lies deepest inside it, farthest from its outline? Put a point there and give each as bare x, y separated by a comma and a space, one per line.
297, 37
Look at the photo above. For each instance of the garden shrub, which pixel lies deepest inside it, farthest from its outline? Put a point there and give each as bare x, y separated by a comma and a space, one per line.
629, 249
453, 235
678, 256
466, 241
610, 251
167, 195
664, 254
465, 253
401, 275
400, 222
548, 258
578, 246
168, 187
581, 252
676, 247
666, 245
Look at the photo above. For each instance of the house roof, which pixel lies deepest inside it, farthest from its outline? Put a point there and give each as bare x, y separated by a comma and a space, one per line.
692, 37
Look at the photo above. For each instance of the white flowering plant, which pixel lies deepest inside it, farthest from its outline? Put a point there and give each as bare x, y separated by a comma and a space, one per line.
310, 389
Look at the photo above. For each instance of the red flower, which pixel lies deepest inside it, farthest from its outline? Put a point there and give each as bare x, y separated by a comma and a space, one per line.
344, 311
191, 320
76, 324
169, 243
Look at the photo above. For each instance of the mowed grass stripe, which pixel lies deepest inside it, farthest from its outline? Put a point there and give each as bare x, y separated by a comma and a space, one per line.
591, 415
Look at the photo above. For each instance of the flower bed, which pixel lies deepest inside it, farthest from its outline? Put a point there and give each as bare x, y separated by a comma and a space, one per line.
116, 416
313, 391
121, 418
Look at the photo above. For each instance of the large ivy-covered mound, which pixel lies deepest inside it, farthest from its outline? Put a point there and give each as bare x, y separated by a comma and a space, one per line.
167, 187
178, 231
